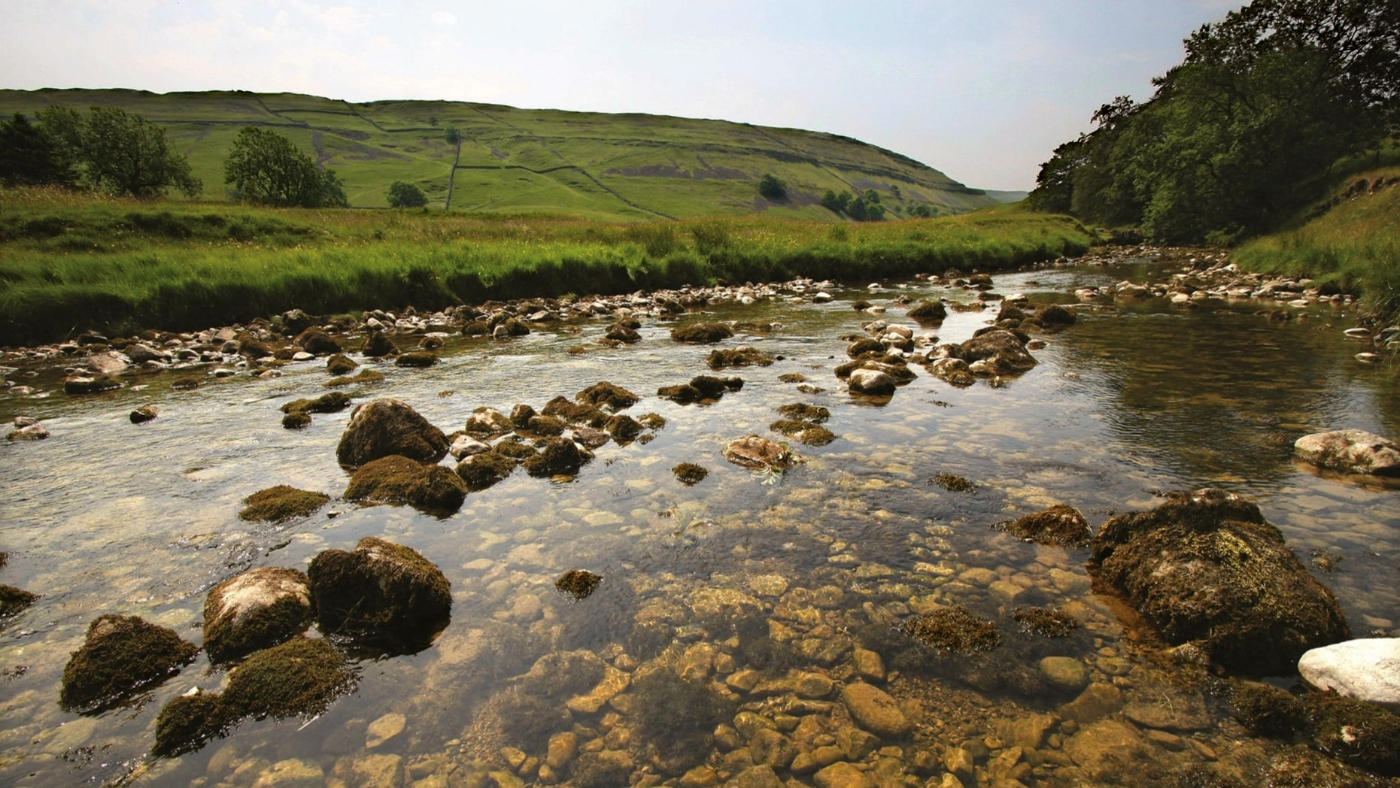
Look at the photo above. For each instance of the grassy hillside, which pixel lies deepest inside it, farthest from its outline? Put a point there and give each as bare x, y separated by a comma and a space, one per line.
71, 261
591, 165
1352, 240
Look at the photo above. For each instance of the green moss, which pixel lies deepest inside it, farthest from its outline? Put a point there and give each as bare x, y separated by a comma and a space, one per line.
545, 425
513, 450
575, 412
382, 593
340, 364
187, 722
1266, 710
737, 357
929, 312
378, 345
689, 473
317, 342
14, 600
800, 411
677, 718
1355, 732
683, 394
365, 376
560, 456
296, 420
398, 480
331, 402
300, 677
607, 394
953, 483
1058, 525
623, 428
121, 655
953, 629
416, 358
1046, 622
578, 583
652, 421
254, 610
481, 471
281, 503
701, 333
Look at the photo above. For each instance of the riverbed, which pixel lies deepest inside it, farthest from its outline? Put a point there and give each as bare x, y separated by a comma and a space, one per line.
785, 578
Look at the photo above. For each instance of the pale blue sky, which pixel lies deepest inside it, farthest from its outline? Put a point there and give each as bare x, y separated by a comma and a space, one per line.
980, 89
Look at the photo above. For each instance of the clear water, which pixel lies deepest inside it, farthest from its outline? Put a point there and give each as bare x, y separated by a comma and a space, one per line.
110, 517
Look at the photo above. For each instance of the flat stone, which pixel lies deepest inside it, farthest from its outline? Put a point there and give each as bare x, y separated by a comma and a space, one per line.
384, 729
1177, 712
613, 683
842, 775
1097, 701
291, 773
1066, 674
868, 664
1366, 669
875, 710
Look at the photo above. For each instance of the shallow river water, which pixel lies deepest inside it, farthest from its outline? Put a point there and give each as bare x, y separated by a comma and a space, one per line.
784, 581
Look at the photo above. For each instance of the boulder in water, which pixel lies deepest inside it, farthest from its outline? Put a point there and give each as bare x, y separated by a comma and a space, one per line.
121, 655
382, 427
1350, 451
382, 593
255, 610
1366, 669
399, 480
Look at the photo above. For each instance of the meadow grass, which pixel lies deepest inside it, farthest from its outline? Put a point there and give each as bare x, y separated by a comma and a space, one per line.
71, 262
1354, 245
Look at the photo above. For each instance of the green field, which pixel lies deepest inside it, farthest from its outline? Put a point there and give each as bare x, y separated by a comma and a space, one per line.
72, 261
616, 167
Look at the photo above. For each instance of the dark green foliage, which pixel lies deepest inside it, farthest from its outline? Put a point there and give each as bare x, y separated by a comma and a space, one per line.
281, 503
117, 152
121, 655
452, 135
30, 157
266, 168
406, 195
299, 677
772, 187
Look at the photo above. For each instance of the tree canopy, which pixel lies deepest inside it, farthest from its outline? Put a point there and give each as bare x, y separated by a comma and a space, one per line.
406, 195
264, 167
29, 156
1243, 131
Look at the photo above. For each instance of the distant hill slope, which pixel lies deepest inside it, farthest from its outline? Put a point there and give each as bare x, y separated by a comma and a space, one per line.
594, 165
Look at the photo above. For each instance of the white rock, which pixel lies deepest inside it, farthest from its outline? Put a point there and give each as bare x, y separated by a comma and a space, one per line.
1366, 669
821, 298
464, 446
1350, 451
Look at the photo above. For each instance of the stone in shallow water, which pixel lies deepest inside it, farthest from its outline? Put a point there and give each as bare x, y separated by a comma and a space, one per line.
1066, 674
384, 729
1366, 669
875, 710
257, 609
1350, 451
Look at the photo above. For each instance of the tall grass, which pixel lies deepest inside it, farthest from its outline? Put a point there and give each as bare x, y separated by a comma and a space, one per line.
69, 263
1354, 245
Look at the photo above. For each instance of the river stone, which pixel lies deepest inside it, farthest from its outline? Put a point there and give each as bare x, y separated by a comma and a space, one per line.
121, 655
1206, 567
382, 593
382, 427
14, 600
1003, 350
317, 342
299, 677
1107, 750
257, 609
953, 371
1366, 669
281, 503
400, 480
872, 382
384, 729
752, 451
1058, 525
703, 333
1098, 700
875, 710
143, 414
842, 775
1175, 711
1365, 735
1066, 674
1350, 451
560, 456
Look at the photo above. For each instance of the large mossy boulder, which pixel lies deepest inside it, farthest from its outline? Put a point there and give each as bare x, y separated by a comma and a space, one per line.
255, 610
399, 480
121, 656
608, 394
14, 600
1206, 567
317, 342
382, 427
281, 503
701, 333
299, 677
480, 471
1350, 451
187, 722
381, 594
1058, 525
559, 457
1004, 352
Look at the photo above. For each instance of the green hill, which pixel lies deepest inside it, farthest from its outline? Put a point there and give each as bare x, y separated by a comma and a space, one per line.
590, 165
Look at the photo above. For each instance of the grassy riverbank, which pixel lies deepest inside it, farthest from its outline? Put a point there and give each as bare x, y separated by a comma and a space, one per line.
71, 262
1353, 244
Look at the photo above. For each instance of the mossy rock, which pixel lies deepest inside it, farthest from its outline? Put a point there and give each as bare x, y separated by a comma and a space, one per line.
689, 473
255, 610
1206, 568
575, 412
627, 335
737, 357
652, 421
298, 678
1358, 733
701, 333
1046, 622
623, 428
382, 427
929, 312
860, 304
317, 342
560, 456
609, 395
94, 384
382, 594
953, 629
953, 483
281, 503
330, 402
683, 394
578, 583
250, 346
365, 376
378, 345
121, 656
1055, 316
1267, 710
1301, 767
544, 425
187, 722
340, 364
1059, 525
296, 420
14, 600
800, 411
481, 471
1003, 350
400, 480
677, 717
865, 346
419, 359
514, 450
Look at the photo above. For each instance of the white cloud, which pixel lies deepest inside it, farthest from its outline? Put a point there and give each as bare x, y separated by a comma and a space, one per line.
444, 18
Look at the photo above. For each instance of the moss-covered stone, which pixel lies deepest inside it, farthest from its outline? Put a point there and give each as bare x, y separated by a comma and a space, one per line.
399, 480
575, 412
378, 345
677, 718
514, 450
330, 402
94, 384
1365, 735
712, 387
382, 427
618, 332
738, 357
187, 722
704, 333
143, 414
1058, 525
250, 346
757, 453
1207, 568
689, 473
560, 456
14, 600
805, 432
121, 656
578, 583
1046, 622
365, 376
255, 610
623, 428
953, 483
296, 420
652, 421
607, 394
317, 342
281, 503
929, 312
340, 364
1055, 316
1301, 767
300, 677
547, 426
683, 394
480, 471
1267, 710
801, 411
419, 359
865, 346
381, 593
953, 629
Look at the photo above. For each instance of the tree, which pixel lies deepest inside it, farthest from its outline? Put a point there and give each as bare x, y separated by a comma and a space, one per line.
29, 156
118, 152
266, 168
406, 195
452, 135
772, 187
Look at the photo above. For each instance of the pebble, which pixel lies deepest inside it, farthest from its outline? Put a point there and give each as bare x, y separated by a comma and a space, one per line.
384, 729
1066, 674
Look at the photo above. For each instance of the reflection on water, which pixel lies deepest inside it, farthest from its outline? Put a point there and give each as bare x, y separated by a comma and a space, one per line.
795, 580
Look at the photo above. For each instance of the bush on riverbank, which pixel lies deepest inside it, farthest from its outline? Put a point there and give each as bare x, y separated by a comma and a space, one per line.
120, 266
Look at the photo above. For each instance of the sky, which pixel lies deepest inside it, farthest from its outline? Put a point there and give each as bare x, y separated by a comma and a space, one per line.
981, 89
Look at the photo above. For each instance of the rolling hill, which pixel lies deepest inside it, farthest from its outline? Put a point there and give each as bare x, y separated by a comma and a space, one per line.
590, 165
